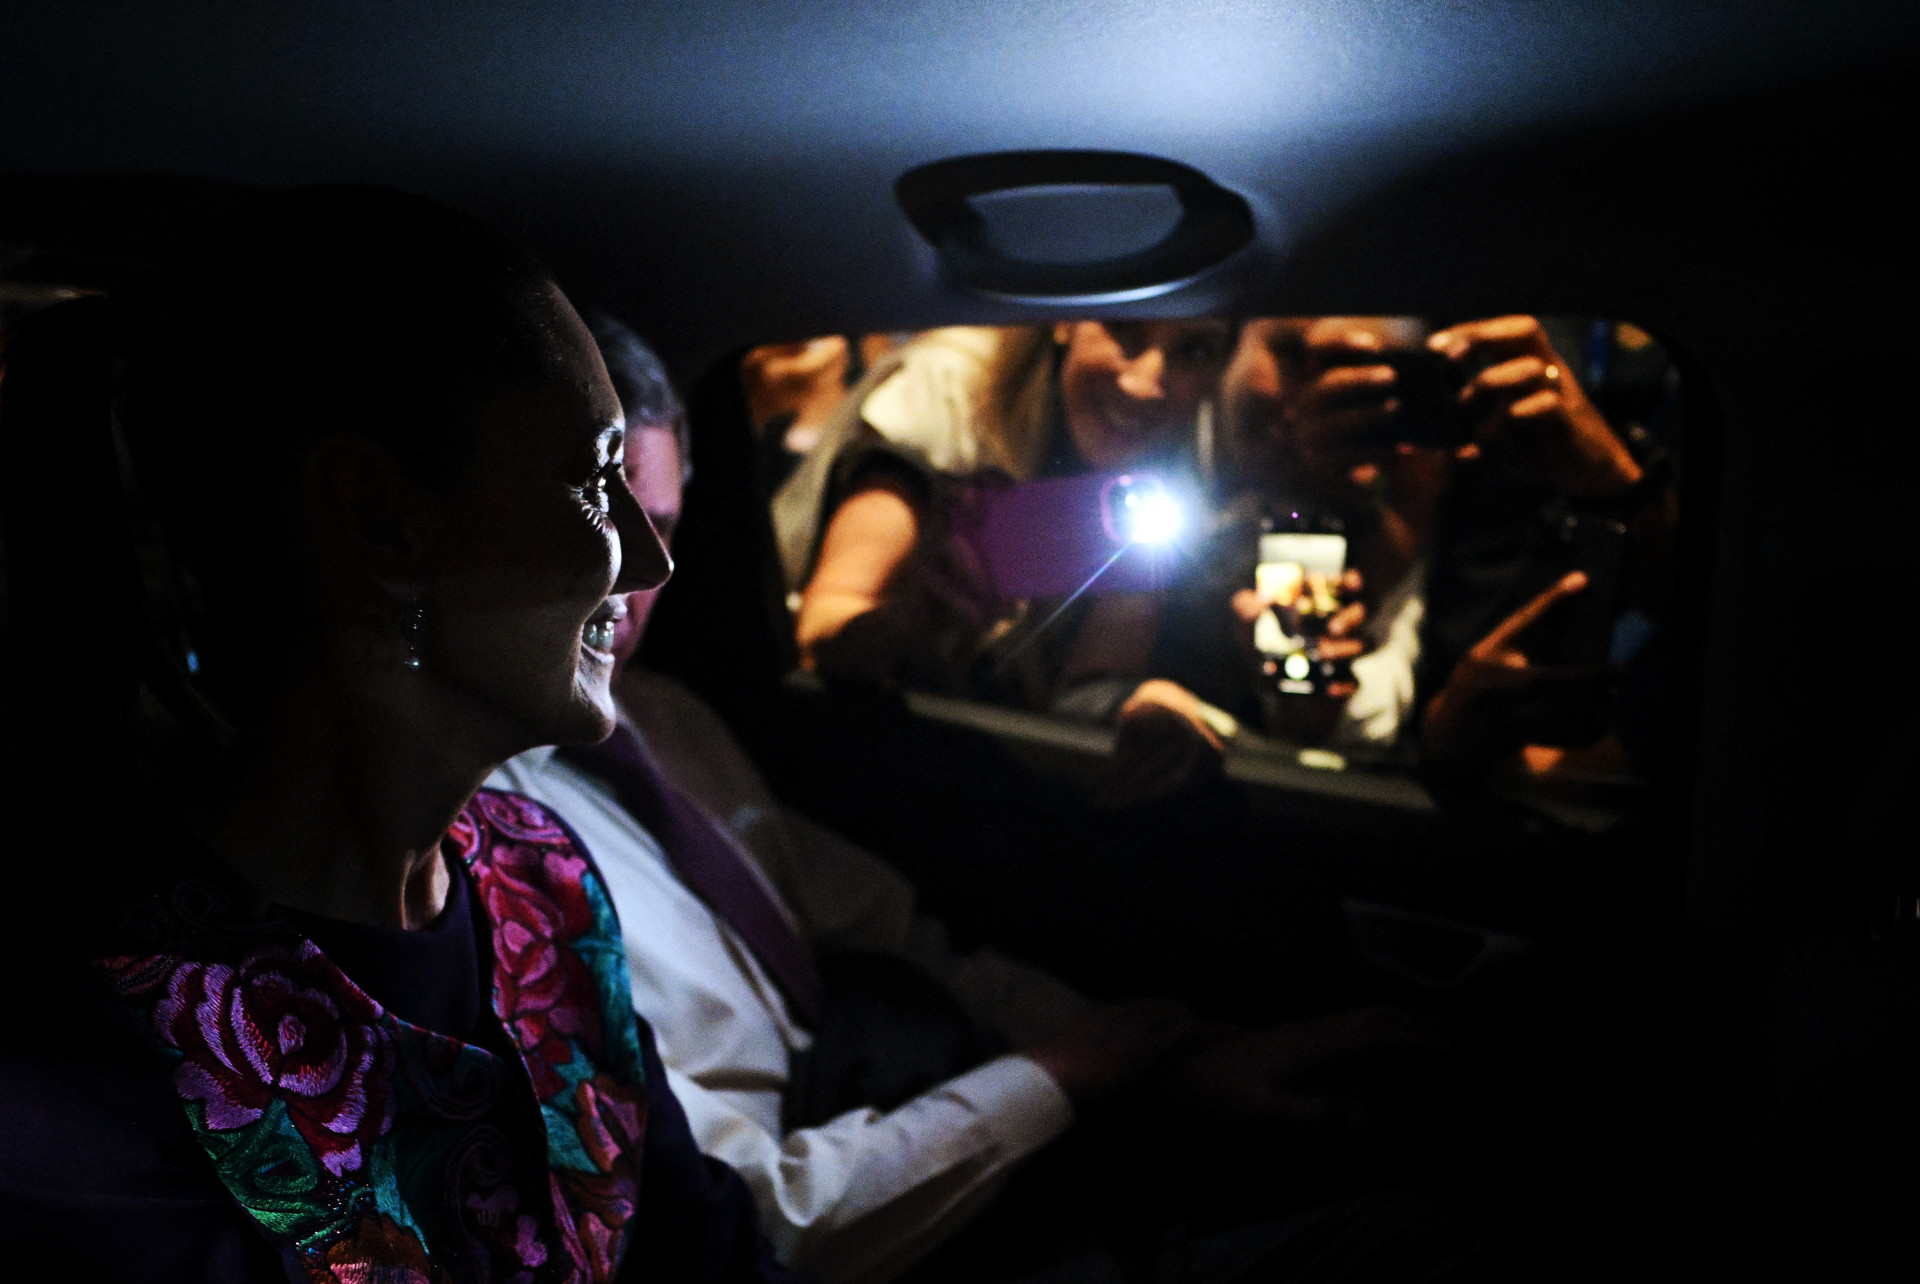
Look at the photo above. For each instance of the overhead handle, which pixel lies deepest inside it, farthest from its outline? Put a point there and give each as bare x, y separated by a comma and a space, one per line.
1073, 226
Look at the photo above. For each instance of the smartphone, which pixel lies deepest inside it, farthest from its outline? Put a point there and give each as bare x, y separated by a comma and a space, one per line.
1299, 575
1101, 532
1427, 384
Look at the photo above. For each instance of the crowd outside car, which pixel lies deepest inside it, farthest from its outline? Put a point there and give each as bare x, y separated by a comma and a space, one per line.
1313, 416
1473, 524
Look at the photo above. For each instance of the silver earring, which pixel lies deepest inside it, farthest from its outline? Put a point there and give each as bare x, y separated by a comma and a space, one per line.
413, 623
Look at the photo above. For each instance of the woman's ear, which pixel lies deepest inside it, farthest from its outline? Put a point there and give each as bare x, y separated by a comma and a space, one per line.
362, 506
365, 525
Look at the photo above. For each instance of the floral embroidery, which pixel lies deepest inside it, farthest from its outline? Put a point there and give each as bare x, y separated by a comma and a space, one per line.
380, 1251
286, 1024
544, 990
554, 933
382, 1151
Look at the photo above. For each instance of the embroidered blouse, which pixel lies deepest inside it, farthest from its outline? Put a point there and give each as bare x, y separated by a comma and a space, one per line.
359, 1144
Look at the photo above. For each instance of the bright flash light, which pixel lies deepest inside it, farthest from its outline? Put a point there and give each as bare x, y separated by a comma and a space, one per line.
1155, 518
1143, 511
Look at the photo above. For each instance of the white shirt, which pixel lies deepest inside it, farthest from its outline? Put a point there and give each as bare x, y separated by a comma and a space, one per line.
1375, 714
863, 1196
933, 403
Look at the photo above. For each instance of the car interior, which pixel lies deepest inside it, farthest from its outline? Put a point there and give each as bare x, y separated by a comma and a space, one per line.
1685, 978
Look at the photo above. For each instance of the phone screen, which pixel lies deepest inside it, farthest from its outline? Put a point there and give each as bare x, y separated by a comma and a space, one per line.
1298, 579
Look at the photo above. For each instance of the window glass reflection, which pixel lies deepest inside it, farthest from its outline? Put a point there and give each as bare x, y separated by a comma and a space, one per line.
1357, 542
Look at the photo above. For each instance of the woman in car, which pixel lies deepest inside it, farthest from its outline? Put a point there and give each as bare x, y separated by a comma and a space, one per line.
302, 543
894, 595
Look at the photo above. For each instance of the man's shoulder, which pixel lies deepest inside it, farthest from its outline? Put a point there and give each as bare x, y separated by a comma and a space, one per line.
659, 705
931, 402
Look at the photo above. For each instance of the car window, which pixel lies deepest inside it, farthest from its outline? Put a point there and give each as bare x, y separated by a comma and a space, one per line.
1386, 558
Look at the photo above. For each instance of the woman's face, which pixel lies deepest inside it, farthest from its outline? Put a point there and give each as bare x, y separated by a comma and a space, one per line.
1132, 389
533, 552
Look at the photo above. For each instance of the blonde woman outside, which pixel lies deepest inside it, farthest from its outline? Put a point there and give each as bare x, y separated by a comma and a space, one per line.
891, 597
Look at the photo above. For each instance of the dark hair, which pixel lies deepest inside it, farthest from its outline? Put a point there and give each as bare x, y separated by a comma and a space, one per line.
646, 392
148, 445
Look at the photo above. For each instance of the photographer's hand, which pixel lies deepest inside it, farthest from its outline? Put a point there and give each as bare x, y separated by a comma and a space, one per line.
1497, 700
1166, 743
1345, 394
1526, 402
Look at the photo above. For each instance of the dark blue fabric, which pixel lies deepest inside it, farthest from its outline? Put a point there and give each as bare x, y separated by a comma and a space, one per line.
696, 1223
434, 977
101, 1178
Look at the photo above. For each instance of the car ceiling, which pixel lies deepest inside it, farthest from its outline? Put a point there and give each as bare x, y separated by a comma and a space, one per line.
723, 171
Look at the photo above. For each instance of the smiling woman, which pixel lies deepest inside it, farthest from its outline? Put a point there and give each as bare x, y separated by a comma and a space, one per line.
355, 506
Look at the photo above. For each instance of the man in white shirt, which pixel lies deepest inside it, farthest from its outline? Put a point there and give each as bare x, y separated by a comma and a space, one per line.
864, 1194
725, 921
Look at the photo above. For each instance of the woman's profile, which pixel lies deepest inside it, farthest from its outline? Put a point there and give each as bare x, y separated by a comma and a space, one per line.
303, 539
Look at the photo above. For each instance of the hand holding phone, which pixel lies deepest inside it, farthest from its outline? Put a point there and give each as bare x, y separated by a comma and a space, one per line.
1308, 606
1523, 400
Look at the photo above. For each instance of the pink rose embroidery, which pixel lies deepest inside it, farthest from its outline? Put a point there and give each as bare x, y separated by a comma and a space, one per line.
607, 1120
284, 1023
519, 820
538, 891
540, 986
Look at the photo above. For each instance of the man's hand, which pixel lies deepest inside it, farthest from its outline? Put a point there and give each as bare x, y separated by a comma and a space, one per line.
1114, 1047
1497, 700
1288, 1077
1343, 392
1526, 403
1166, 743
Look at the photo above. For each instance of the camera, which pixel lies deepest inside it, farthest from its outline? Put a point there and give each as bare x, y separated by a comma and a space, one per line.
1427, 385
